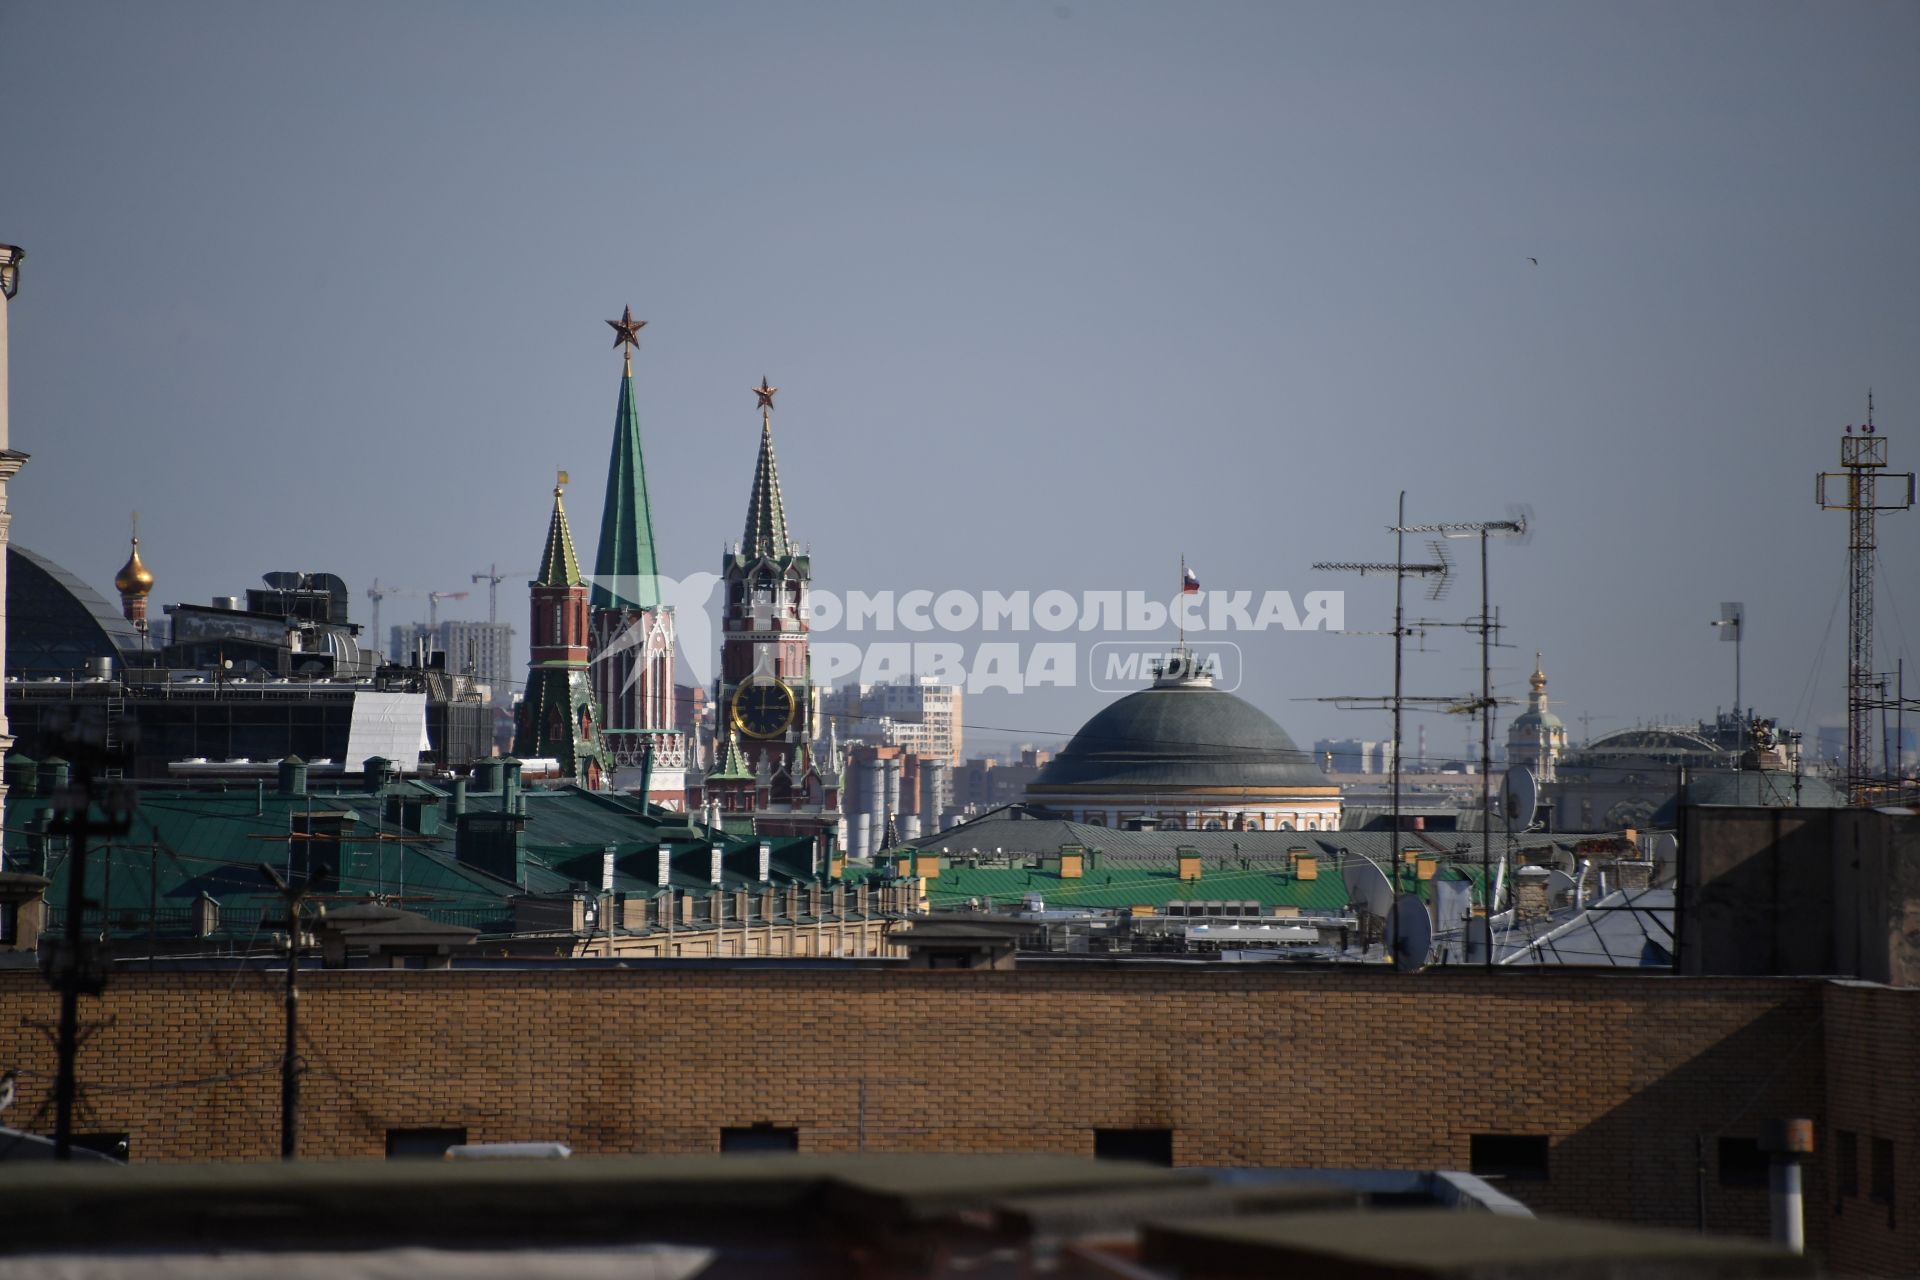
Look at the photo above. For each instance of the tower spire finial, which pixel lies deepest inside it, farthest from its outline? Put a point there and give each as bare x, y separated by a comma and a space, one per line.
766, 532
626, 330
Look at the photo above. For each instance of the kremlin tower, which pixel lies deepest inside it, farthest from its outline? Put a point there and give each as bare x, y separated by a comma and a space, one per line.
766, 778
630, 629
559, 718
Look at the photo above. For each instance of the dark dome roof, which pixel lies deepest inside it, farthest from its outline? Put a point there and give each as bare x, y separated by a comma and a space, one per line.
55, 622
1662, 743
1181, 735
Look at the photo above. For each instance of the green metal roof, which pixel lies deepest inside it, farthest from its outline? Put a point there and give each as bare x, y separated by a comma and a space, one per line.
186, 842
1115, 882
1105, 888
625, 570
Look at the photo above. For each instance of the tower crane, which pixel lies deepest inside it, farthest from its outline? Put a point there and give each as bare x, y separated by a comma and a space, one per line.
493, 578
377, 593
433, 605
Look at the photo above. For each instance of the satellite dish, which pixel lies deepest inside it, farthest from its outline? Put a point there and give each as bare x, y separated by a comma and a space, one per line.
1520, 797
1368, 886
1409, 934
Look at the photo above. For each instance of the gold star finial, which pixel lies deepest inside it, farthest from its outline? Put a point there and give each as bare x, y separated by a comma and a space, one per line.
766, 394
559, 483
626, 330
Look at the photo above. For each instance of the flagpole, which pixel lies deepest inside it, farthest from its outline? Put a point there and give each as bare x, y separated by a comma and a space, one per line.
1180, 612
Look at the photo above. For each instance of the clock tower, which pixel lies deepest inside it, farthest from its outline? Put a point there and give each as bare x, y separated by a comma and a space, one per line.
766, 705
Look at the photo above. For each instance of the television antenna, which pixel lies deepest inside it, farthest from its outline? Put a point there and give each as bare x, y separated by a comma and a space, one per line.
1518, 524
1438, 570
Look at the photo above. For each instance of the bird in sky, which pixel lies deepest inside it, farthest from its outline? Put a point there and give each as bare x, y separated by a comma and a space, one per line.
1534, 261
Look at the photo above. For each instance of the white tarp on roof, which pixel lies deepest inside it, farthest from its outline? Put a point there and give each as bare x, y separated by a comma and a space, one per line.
390, 725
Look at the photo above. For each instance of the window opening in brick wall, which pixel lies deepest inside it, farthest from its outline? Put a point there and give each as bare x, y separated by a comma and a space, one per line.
762, 1137
1520, 1157
1742, 1163
424, 1143
1150, 1146
1880, 1180
1846, 1163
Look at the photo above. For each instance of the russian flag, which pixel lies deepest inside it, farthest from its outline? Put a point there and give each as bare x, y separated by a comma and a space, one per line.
1189, 584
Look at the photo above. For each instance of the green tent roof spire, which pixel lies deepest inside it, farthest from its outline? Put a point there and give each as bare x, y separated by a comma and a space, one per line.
766, 533
731, 763
559, 567
624, 571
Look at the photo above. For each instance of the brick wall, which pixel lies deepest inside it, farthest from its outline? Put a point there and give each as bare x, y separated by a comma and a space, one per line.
1873, 1053
1248, 1065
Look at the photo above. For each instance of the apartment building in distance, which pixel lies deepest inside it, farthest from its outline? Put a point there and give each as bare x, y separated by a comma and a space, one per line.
921, 716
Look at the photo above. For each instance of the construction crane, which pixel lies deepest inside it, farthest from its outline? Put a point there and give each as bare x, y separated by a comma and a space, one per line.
493, 578
433, 605
377, 593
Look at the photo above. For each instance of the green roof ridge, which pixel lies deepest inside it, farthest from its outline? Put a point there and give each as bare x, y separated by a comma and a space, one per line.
626, 566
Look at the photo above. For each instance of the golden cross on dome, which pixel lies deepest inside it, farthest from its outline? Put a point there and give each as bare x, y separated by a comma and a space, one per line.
766, 394
626, 330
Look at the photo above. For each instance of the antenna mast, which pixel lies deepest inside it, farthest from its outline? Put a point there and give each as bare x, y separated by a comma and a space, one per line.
1863, 454
1439, 570
1488, 627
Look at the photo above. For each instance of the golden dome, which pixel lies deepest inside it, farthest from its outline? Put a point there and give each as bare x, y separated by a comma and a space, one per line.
1539, 678
133, 580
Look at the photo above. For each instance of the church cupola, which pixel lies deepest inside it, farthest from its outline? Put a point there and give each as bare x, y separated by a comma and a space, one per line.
135, 584
1537, 737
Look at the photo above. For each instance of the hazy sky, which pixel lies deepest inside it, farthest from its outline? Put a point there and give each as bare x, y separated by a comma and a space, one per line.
1054, 292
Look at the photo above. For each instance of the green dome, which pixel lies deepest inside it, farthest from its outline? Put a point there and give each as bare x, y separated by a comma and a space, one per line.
1176, 736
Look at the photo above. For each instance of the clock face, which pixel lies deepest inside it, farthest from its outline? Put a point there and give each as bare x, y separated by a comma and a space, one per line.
763, 708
